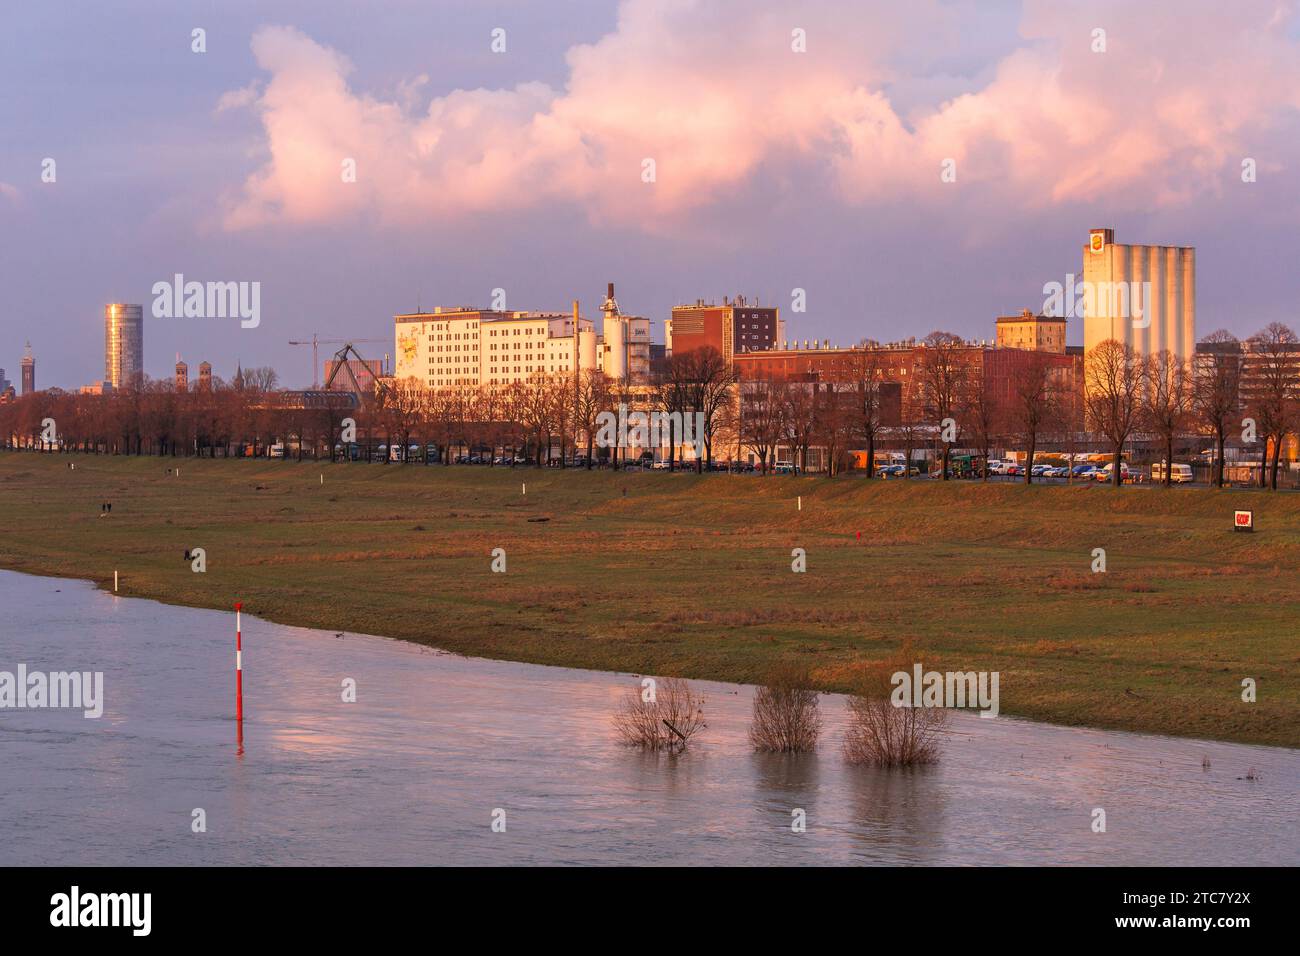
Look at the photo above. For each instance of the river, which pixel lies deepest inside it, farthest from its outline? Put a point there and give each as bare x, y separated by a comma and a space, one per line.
414, 770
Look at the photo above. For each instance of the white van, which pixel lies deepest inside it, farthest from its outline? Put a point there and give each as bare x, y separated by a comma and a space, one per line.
1179, 474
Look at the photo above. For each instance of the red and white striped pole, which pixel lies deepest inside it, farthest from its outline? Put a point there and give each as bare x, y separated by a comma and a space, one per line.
239, 668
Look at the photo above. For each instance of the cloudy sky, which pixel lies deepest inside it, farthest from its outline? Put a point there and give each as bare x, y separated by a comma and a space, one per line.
774, 169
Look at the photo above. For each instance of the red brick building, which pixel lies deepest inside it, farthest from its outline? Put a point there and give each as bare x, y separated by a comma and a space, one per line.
736, 327
900, 365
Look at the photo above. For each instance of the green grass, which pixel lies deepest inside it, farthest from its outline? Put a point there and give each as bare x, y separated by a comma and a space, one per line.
691, 575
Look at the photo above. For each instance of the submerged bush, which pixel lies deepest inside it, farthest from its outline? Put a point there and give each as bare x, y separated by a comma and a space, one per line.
881, 734
664, 715
786, 718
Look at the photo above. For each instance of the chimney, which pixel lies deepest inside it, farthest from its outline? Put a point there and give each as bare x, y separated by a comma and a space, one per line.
609, 293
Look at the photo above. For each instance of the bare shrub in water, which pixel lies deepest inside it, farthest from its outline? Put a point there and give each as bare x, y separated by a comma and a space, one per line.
786, 718
880, 734
663, 717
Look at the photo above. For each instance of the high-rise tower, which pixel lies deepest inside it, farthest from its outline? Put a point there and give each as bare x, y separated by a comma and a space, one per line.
123, 344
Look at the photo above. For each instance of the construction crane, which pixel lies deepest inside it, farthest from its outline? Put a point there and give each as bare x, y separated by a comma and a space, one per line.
341, 366
315, 353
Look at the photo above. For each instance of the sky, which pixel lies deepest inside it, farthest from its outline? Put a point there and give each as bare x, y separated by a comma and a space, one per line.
683, 149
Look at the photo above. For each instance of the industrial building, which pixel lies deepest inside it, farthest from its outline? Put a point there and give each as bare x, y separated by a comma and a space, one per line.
465, 346
1142, 296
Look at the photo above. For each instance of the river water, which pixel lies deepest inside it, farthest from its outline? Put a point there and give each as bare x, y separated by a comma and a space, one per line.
414, 770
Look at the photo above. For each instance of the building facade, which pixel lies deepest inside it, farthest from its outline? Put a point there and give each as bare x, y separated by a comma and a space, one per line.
464, 346
1037, 333
1142, 296
123, 344
899, 368
733, 328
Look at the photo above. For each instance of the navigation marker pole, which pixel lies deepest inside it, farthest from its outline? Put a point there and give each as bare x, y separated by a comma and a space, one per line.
239, 678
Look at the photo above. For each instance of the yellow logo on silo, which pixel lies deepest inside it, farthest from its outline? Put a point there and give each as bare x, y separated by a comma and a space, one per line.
1097, 241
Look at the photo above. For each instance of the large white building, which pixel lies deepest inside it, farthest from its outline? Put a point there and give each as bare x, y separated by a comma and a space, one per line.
1142, 296
468, 346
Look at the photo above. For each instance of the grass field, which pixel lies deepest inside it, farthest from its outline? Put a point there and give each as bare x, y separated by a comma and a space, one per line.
692, 576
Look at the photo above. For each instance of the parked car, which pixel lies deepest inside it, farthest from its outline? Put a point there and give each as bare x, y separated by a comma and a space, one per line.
1107, 473
1085, 471
661, 465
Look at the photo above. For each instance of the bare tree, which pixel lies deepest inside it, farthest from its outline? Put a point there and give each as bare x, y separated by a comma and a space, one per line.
1116, 379
713, 395
800, 419
672, 396
762, 418
944, 372
593, 398
834, 423
983, 418
1272, 367
1167, 406
1033, 403
1216, 390
866, 377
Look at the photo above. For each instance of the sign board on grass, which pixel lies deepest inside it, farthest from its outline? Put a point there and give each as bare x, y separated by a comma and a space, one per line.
1243, 520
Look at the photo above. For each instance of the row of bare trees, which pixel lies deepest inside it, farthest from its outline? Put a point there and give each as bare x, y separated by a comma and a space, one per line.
537, 416
952, 400
948, 398
1251, 386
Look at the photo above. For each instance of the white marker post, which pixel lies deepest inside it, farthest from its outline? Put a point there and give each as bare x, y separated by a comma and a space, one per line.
524, 487
115, 581
801, 502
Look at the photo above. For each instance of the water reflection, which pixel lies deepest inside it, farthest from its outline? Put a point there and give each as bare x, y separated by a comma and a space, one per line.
412, 772
897, 814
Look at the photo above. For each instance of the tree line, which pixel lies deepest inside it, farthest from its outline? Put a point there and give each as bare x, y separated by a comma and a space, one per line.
947, 399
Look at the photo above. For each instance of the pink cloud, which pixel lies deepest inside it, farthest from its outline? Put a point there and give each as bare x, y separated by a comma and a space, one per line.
713, 94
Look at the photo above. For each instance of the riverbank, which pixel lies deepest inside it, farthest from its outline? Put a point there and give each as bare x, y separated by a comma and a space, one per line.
692, 575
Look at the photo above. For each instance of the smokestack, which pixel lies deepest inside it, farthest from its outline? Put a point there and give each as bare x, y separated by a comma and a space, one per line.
609, 294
